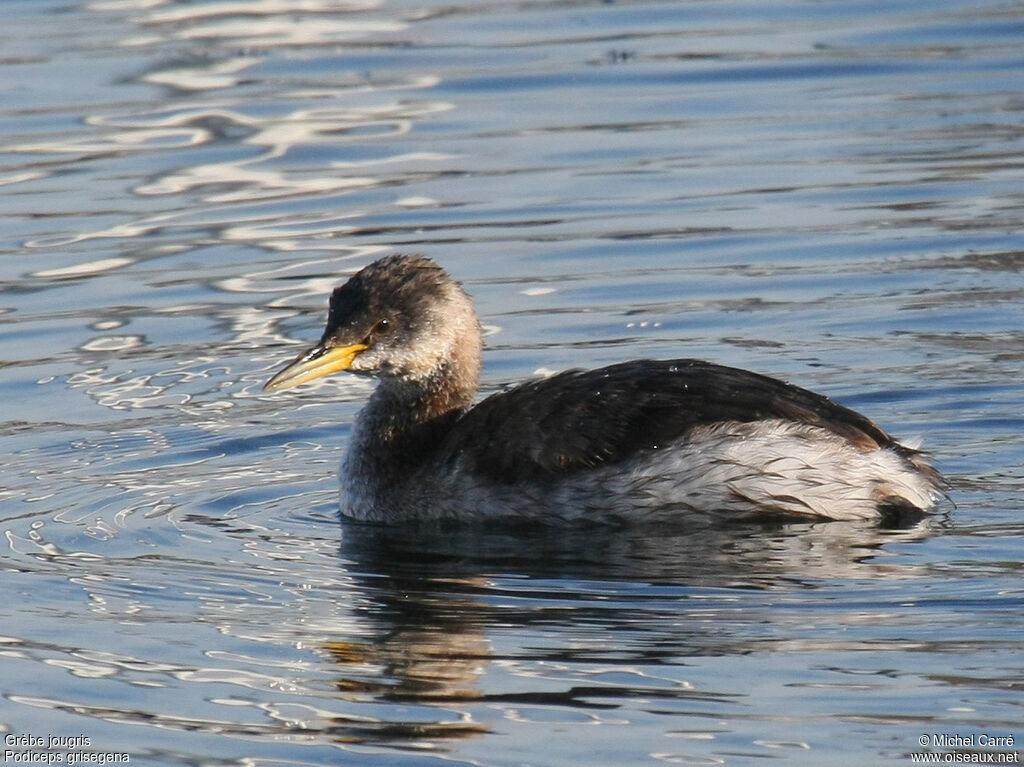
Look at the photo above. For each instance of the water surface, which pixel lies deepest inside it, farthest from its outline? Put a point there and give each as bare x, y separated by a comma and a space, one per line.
826, 192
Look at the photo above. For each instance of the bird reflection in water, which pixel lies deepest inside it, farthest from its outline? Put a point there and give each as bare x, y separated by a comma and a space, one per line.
432, 599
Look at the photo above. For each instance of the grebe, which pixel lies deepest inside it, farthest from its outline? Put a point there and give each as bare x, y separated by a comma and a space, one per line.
640, 440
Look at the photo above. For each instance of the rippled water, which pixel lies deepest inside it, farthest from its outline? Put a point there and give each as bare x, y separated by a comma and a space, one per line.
827, 192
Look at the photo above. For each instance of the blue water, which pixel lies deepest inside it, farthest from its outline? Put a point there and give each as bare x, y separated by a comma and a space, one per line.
826, 192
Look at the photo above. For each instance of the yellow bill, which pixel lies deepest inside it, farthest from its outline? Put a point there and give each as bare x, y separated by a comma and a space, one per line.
315, 363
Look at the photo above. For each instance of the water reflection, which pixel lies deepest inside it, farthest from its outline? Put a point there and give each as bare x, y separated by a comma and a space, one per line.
438, 606
322, 135
709, 552
268, 23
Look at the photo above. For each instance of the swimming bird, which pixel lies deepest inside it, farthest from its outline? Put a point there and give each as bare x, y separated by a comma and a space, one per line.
639, 440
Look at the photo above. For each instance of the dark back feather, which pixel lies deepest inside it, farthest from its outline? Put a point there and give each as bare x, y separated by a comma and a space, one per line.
577, 420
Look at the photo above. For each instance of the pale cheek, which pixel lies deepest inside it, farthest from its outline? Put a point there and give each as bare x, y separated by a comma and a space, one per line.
422, 356
365, 363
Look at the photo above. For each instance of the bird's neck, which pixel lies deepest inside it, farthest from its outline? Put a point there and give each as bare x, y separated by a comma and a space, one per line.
404, 419
405, 422
448, 387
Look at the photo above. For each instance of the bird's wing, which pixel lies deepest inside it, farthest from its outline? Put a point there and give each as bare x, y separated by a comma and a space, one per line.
581, 419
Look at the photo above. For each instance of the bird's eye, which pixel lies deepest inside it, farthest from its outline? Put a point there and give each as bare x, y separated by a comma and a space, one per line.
382, 328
